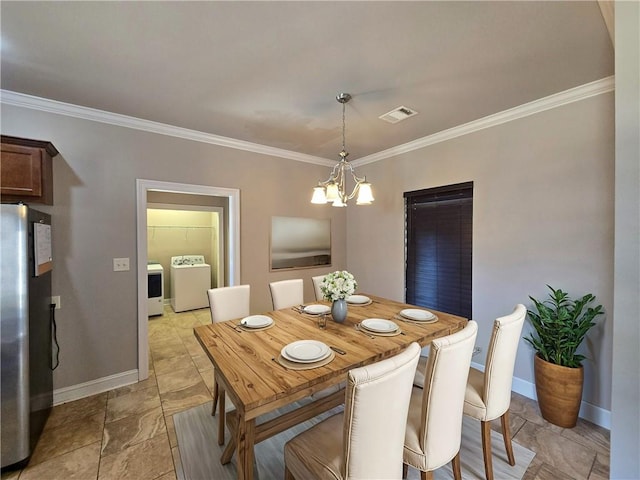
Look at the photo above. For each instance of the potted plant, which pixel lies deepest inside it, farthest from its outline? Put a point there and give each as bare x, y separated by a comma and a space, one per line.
560, 325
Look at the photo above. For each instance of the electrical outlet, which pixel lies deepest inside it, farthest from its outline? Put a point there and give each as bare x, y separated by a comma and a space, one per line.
56, 300
121, 264
476, 351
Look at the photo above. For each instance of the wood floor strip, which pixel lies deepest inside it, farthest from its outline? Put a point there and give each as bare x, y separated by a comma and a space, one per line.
200, 453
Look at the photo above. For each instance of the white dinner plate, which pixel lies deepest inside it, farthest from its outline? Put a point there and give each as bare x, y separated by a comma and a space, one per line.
356, 299
256, 321
305, 351
379, 325
296, 360
316, 309
417, 315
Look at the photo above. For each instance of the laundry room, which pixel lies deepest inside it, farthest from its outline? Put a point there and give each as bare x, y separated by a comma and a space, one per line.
185, 251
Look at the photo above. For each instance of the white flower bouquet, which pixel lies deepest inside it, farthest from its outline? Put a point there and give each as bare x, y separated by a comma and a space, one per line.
338, 285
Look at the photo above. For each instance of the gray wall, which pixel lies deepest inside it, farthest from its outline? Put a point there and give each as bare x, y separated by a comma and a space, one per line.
543, 214
625, 424
94, 220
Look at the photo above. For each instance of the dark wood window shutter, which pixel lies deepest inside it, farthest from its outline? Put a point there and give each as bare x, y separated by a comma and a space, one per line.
439, 232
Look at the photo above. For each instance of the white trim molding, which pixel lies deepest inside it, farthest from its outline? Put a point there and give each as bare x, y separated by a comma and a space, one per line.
93, 387
559, 99
576, 94
16, 99
592, 413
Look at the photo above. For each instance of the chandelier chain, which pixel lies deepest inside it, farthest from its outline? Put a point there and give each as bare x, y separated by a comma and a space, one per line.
343, 128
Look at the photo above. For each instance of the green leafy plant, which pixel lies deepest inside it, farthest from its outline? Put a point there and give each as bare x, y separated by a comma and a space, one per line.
561, 325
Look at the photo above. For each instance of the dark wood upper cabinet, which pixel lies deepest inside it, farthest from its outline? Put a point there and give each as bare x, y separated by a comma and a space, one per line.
26, 170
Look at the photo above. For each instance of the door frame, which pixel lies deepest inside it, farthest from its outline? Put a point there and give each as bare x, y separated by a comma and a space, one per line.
143, 186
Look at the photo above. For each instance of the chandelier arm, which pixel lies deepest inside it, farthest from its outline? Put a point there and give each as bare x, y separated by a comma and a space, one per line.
332, 176
355, 191
356, 178
341, 181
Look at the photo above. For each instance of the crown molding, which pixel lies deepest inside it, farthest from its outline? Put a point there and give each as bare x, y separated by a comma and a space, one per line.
576, 94
8, 97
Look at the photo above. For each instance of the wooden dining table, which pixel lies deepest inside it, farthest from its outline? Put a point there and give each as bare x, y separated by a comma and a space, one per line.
247, 369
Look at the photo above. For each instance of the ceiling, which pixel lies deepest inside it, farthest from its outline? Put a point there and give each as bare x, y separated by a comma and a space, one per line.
268, 72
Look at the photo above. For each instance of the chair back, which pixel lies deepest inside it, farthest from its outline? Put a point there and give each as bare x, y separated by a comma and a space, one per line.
227, 303
316, 287
445, 382
287, 293
375, 416
500, 362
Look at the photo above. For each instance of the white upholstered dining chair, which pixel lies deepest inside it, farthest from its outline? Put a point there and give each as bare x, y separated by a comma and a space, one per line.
287, 293
365, 441
488, 394
434, 424
316, 287
226, 303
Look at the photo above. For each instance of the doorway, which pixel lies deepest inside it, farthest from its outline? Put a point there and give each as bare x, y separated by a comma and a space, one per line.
145, 188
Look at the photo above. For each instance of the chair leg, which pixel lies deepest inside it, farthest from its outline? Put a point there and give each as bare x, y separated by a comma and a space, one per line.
426, 475
221, 415
455, 466
287, 474
486, 449
506, 434
215, 398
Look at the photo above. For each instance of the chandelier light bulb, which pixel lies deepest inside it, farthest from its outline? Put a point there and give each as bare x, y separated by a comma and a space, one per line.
365, 195
332, 192
319, 195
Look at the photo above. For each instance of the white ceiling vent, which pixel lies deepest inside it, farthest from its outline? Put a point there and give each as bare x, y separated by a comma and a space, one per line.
398, 114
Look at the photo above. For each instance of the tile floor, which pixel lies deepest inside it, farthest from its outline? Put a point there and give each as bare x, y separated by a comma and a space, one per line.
128, 433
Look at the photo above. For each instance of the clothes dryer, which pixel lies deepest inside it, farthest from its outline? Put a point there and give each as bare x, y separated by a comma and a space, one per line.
155, 289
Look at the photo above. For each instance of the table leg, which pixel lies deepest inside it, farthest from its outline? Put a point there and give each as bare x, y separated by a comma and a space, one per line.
221, 415
245, 439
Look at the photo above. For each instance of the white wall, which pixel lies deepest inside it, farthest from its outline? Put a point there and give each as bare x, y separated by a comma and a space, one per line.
625, 425
543, 214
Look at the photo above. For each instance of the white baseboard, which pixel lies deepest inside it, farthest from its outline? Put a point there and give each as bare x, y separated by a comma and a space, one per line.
592, 413
82, 390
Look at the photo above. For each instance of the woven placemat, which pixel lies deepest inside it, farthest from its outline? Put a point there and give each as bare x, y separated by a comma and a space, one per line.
380, 334
416, 322
305, 366
249, 329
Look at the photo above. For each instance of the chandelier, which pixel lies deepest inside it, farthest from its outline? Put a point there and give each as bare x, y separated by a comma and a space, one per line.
333, 190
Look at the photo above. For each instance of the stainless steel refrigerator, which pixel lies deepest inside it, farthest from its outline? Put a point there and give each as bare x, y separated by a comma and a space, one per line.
26, 317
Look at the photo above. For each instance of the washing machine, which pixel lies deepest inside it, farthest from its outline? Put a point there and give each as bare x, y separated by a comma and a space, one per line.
155, 289
190, 280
